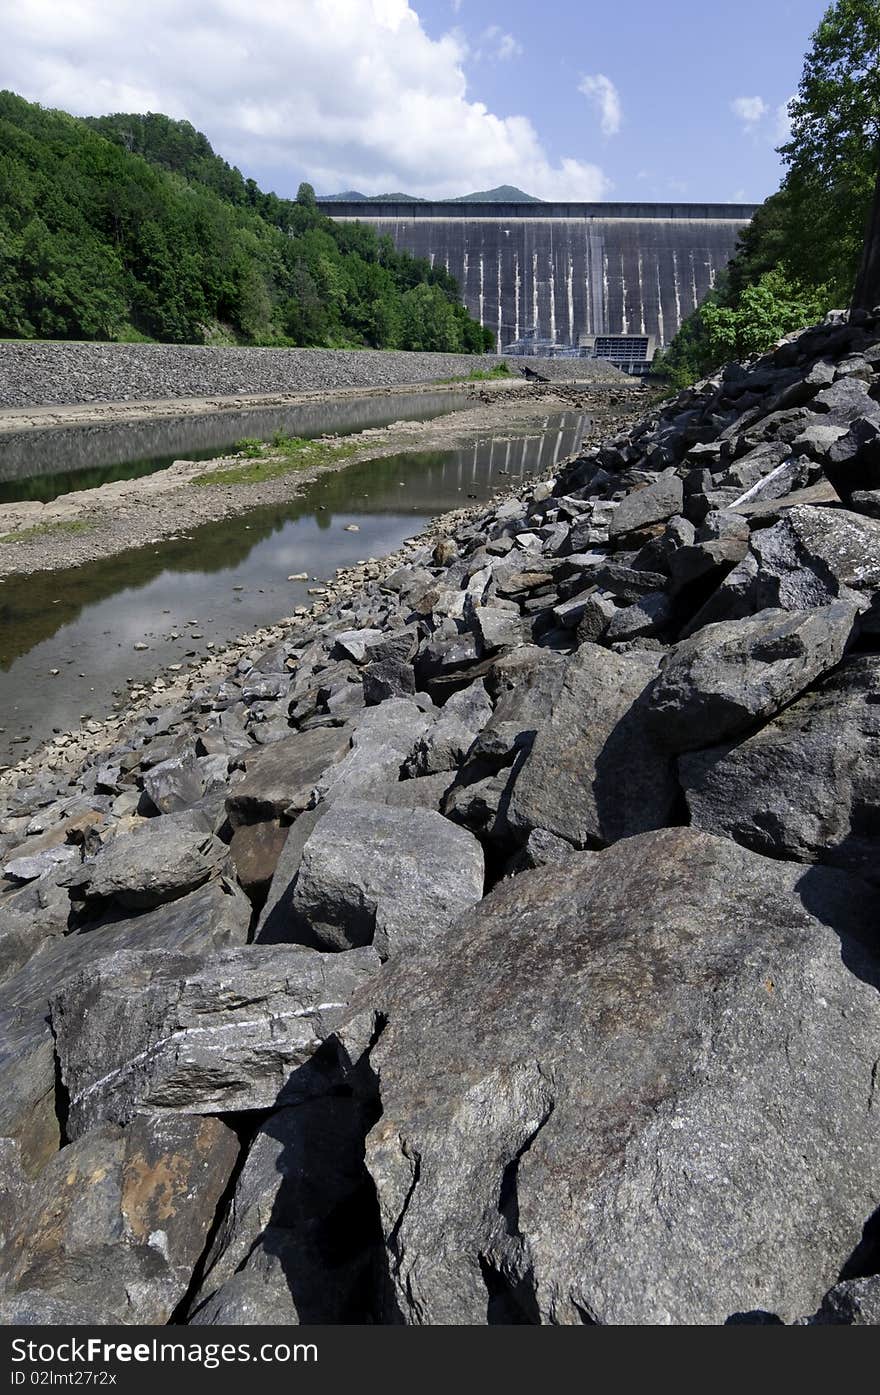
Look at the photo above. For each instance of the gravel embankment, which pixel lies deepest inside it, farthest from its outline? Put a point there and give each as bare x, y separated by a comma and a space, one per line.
37, 374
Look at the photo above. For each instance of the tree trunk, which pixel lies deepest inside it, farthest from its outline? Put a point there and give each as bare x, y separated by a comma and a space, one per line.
867, 291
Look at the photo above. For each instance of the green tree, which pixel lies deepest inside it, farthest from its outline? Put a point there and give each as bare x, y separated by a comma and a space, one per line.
130, 226
833, 152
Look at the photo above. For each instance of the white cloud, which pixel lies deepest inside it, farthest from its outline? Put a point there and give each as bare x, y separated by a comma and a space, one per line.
749, 110
345, 93
494, 45
456, 6
508, 47
606, 99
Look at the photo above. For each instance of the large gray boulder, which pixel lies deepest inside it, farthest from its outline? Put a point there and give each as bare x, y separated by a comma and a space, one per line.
215, 916
812, 555
640, 1096
290, 1248
374, 874
280, 777
595, 772
117, 1221
653, 504
164, 859
381, 740
807, 785
234, 1031
730, 676
446, 743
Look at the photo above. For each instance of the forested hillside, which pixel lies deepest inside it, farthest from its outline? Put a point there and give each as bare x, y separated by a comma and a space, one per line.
799, 256
129, 227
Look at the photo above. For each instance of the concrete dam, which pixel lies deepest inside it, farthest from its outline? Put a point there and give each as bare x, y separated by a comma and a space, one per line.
569, 273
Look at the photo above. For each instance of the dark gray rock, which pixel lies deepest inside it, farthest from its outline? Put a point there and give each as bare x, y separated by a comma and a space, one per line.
654, 504
807, 785
216, 915
627, 583
117, 1222
37, 912
371, 874
210, 1036
279, 779
381, 740
648, 616
34, 1308
730, 676
290, 1248
852, 462
640, 1097
446, 743
423, 792
812, 555
387, 678
598, 613
853, 1303
844, 400
278, 922
164, 859
595, 773
497, 628
255, 849
174, 785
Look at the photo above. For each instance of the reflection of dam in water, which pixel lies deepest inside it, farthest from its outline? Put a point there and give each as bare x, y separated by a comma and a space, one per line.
567, 269
227, 578
475, 471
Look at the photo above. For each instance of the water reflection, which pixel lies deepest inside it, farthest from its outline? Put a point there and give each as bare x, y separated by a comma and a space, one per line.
227, 578
44, 464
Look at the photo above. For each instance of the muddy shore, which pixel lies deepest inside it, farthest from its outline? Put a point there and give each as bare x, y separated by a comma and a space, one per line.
97, 523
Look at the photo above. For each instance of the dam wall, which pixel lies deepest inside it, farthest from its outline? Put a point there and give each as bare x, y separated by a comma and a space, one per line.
567, 269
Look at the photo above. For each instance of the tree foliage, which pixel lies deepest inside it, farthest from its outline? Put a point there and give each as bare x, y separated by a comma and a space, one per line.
799, 255
130, 226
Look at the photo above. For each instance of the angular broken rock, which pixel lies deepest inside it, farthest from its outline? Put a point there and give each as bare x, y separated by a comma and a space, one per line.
159, 862
852, 1303
280, 777
595, 772
807, 785
236, 1031
118, 1220
639, 1098
446, 743
812, 555
175, 784
732, 675
642, 507
372, 874
216, 915
292, 1247
381, 740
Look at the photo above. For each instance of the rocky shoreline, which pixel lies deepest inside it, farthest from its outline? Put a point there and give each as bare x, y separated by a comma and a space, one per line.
37, 375
498, 945
101, 522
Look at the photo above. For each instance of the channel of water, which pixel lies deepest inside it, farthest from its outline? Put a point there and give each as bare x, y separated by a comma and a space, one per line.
45, 464
228, 578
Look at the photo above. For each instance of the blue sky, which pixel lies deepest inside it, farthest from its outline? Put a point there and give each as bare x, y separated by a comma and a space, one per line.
678, 67
569, 99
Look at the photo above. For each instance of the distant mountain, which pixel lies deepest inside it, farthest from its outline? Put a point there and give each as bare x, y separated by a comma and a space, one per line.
505, 193
352, 196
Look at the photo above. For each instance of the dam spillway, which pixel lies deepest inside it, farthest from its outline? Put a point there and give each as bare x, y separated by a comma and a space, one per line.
567, 270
